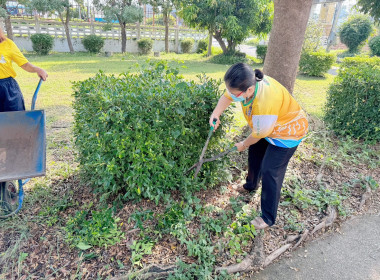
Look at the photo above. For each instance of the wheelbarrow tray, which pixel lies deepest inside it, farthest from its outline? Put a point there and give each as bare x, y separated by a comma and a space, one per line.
22, 145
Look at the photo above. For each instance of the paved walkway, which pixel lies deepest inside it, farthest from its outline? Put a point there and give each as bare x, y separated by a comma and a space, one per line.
352, 255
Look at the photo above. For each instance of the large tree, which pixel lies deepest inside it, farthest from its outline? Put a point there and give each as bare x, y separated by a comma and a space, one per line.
122, 11
231, 21
370, 7
286, 39
62, 8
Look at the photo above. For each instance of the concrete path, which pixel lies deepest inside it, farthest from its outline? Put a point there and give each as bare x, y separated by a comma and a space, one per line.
352, 255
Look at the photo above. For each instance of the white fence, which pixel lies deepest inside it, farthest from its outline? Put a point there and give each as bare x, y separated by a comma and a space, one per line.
81, 29
24, 28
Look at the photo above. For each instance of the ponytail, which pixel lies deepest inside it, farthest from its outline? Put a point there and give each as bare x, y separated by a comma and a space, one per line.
259, 75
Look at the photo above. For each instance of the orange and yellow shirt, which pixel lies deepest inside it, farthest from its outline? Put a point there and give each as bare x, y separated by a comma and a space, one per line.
274, 114
9, 53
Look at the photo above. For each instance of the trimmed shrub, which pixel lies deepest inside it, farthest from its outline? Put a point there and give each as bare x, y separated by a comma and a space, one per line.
93, 43
261, 51
352, 106
230, 58
374, 45
202, 45
145, 45
42, 43
187, 45
316, 63
136, 134
354, 32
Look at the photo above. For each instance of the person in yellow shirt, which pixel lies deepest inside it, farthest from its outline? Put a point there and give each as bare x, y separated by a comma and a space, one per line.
11, 98
278, 125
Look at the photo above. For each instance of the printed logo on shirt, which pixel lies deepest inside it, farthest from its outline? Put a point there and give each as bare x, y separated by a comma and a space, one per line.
2, 60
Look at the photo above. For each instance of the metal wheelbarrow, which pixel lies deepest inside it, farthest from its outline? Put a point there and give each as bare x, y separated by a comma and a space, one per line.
22, 154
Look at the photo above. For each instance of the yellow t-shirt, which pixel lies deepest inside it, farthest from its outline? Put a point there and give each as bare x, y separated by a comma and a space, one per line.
10, 52
274, 114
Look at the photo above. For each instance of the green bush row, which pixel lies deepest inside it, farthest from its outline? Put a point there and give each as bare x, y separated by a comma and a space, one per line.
42, 43
352, 106
316, 63
136, 134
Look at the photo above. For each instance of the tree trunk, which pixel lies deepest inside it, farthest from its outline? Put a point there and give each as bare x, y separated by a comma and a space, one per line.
166, 22
219, 38
8, 27
123, 38
209, 43
7, 22
332, 34
67, 30
286, 39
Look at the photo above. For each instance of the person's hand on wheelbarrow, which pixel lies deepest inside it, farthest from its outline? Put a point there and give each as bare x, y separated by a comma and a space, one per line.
29, 67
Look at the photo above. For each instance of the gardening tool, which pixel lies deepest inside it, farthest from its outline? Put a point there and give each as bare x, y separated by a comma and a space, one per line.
198, 165
22, 154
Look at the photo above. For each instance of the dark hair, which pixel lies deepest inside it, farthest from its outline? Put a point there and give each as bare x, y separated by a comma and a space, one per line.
241, 76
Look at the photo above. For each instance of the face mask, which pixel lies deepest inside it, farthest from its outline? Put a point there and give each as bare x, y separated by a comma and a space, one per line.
236, 99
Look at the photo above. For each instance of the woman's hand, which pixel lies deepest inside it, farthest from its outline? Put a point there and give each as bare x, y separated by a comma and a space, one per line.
211, 121
241, 146
42, 74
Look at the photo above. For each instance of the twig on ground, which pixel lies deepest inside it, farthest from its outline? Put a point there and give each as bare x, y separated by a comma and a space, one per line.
302, 238
252, 261
276, 254
328, 221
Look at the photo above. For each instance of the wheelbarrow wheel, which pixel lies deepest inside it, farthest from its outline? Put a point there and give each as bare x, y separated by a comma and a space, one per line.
8, 198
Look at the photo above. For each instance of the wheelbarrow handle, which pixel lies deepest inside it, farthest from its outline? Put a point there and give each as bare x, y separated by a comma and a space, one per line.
35, 94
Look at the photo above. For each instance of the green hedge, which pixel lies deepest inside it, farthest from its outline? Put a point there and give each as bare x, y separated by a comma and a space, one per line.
145, 45
202, 45
374, 45
316, 63
230, 58
93, 43
352, 106
42, 43
355, 31
187, 45
261, 51
136, 134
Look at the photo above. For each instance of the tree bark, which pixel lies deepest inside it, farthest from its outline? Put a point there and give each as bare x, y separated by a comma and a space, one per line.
123, 38
8, 27
166, 22
7, 22
67, 29
286, 39
219, 38
209, 50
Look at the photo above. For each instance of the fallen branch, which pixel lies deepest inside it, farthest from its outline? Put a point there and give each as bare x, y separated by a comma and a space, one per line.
276, 254
149, 273
252, 261
328, 221
365, 196
303, 237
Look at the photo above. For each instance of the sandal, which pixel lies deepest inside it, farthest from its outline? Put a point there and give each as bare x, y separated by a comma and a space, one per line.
259, 223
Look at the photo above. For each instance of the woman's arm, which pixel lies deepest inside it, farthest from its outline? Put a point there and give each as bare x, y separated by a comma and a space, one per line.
243, 145
29, 67
222, 105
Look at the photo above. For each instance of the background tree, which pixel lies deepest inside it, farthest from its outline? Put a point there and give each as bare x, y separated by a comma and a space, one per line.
370, 7
286, 39
62, 8
122, 11
355, 31
165, 7
231, 21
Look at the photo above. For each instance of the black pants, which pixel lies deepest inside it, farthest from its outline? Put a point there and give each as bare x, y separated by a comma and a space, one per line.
11, 98
268, 162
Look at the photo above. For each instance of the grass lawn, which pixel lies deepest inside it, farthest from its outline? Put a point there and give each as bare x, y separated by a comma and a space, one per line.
34, 244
